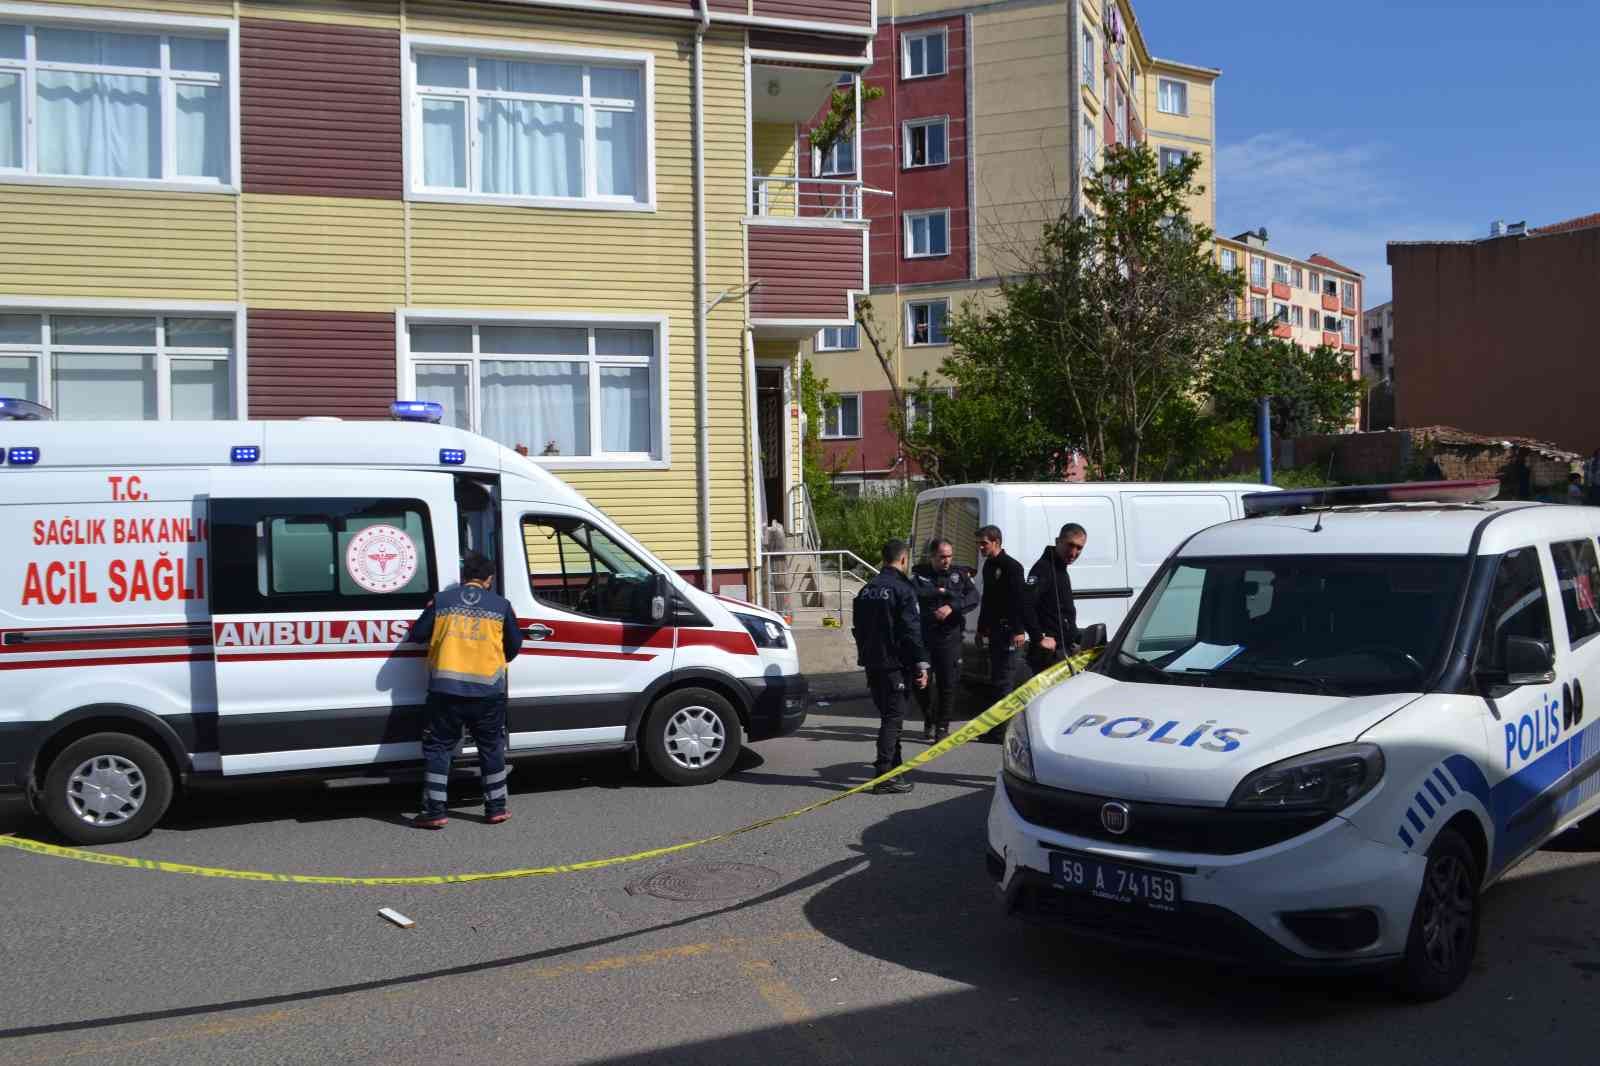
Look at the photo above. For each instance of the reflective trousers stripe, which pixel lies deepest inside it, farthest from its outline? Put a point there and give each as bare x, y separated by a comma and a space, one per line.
496, 777
495, 793
436, 779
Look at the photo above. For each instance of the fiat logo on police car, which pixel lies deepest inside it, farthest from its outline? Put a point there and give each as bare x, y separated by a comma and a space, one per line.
1115, 817
381, 559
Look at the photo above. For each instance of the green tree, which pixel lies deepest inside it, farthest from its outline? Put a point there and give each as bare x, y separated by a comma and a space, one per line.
1099, 346
1311, 391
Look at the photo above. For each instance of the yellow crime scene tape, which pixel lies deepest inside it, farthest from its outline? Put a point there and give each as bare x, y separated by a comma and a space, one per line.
1001, 712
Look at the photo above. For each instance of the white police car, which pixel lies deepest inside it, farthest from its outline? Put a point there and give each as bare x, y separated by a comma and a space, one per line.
1320, 734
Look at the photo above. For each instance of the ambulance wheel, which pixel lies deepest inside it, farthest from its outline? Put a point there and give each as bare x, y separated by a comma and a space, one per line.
1444, 925
691, 737
105, 788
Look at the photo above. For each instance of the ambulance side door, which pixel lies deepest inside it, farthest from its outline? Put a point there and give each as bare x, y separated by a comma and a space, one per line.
317, 575
589, 647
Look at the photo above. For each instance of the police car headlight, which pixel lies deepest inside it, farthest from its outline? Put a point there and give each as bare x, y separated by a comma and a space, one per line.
764, 631
1017, 752
1330, 780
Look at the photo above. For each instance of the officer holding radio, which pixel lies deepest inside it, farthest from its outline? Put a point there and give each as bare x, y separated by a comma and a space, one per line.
945, 594
889, 646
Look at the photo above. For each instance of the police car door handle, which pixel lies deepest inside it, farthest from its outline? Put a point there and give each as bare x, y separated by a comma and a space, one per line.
538, 631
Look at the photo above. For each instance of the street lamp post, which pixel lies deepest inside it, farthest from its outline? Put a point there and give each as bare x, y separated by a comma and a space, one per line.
1264, 429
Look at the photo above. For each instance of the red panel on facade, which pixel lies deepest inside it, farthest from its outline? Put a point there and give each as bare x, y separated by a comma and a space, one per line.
852, 12
875, 450
942, 187
339, 363
1280, 291
1331, 339
1259, 290
805, 272
1283, 329
1330, 303
320, 109
1347, 309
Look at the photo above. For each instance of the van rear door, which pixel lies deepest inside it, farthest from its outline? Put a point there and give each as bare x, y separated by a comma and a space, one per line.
1099, 577
1157, 522
317, 574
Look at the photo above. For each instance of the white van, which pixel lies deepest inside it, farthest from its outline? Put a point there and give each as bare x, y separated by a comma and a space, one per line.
233, 598
1132, 528
1319, 736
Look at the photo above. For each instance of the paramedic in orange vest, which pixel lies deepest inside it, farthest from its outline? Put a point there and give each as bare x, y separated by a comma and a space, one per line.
471, 633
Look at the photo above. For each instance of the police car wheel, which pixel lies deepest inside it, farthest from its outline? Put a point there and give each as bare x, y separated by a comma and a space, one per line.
691, 737
105, 788
1444, 925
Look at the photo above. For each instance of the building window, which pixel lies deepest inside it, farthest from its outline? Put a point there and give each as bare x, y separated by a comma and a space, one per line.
1280, 273
1330, 324
842, 419
1091, 146
1347, 330
923, 54
554, 131
925, 322
1088, 59
927, 142
840, 158
919, 407
1349, 294
1258, 270
927, 233
1330, 287
1258, 309
1314, 281
102, 366
1172, 96
1299, 317
1299, 278
555, 391
1229, 260
126, 104
1172, 157
839, 339
1280, 312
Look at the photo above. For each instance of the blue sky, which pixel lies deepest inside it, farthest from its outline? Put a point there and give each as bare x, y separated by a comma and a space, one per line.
1343, 126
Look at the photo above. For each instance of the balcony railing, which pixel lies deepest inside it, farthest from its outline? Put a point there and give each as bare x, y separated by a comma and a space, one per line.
802, 198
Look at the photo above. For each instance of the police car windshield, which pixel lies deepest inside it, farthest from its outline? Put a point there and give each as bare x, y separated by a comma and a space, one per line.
1345, 625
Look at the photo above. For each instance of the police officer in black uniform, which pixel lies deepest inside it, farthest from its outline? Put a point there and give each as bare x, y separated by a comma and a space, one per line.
1054, 631
888, 634
946, 594
1003, 618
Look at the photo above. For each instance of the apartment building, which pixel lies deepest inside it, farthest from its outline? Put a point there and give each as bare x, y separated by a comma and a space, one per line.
538, 213
1377, 343
992, 115
1312, 302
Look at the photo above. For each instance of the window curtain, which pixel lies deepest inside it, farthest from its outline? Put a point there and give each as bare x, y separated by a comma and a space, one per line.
200, 389
531, 149
19, 377
625, 409
616, 146
202, 131
99, 125
105, 387
446, 384
444, 144
10, 120
536, 404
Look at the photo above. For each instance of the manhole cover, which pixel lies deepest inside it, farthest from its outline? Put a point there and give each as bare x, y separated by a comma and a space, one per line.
706, 881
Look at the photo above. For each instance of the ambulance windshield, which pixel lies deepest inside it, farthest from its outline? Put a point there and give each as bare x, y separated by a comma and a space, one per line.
1345, 625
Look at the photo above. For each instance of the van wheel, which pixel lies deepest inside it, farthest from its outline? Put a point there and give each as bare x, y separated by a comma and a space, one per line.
105, 788
1444, 925
691, 737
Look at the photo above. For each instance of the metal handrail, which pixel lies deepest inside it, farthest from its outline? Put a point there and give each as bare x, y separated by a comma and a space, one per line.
803, 518
773, 597
775, 196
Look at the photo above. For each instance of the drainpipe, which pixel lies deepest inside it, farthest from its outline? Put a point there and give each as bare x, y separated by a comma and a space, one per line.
702, 374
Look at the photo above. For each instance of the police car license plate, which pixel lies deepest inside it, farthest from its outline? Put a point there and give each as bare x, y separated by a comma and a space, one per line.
1113, 881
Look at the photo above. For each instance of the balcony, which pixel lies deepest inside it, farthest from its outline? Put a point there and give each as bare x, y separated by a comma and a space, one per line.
1280, 290
1283, 330
803, 198
1332, 340
1330, 302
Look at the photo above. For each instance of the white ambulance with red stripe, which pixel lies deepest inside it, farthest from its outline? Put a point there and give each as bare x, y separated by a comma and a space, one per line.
227, 599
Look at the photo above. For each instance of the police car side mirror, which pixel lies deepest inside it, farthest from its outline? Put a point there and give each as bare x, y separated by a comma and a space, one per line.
1528, 661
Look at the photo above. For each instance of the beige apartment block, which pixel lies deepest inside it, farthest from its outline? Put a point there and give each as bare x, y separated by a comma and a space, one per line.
1312, 302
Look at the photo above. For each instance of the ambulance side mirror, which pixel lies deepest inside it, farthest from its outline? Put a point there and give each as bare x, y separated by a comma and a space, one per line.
660, 594
1528, 661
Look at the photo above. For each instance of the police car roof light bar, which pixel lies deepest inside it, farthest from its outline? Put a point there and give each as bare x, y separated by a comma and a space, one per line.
417, 411
15, 409
1298, 500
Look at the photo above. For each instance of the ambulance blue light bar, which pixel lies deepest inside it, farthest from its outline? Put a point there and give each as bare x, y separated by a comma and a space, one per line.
417, 411
15, 409
452, 456
246, 453
1447, 492
23, 456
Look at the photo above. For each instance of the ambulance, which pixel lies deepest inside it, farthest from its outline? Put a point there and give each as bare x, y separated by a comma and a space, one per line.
1321, 733
232, 599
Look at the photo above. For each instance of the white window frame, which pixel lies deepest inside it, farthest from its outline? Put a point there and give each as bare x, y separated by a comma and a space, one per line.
944, 54
911, 403
1090, 64
910, 219
661, 456
1228, 260
1165, 150
44, 382
1091, 144
843, 397
1258, 309
1280, 273
905, 141
1299, 278
1347, 329
1314, 282
31, 16
1255, 262
826, 164
1299, 317
822, 345
1161, 97
910, 324
1347, 293
475, 48
1280, 312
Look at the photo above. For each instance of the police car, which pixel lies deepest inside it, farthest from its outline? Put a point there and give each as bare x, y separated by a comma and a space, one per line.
1321, 733
181, 601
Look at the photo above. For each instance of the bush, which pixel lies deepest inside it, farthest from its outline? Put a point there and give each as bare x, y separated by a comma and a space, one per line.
862, 524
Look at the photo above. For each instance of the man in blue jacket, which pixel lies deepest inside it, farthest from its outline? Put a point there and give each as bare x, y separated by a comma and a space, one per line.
471, 633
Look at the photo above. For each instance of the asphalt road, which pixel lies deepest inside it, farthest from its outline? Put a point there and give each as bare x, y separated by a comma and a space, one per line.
871, 935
